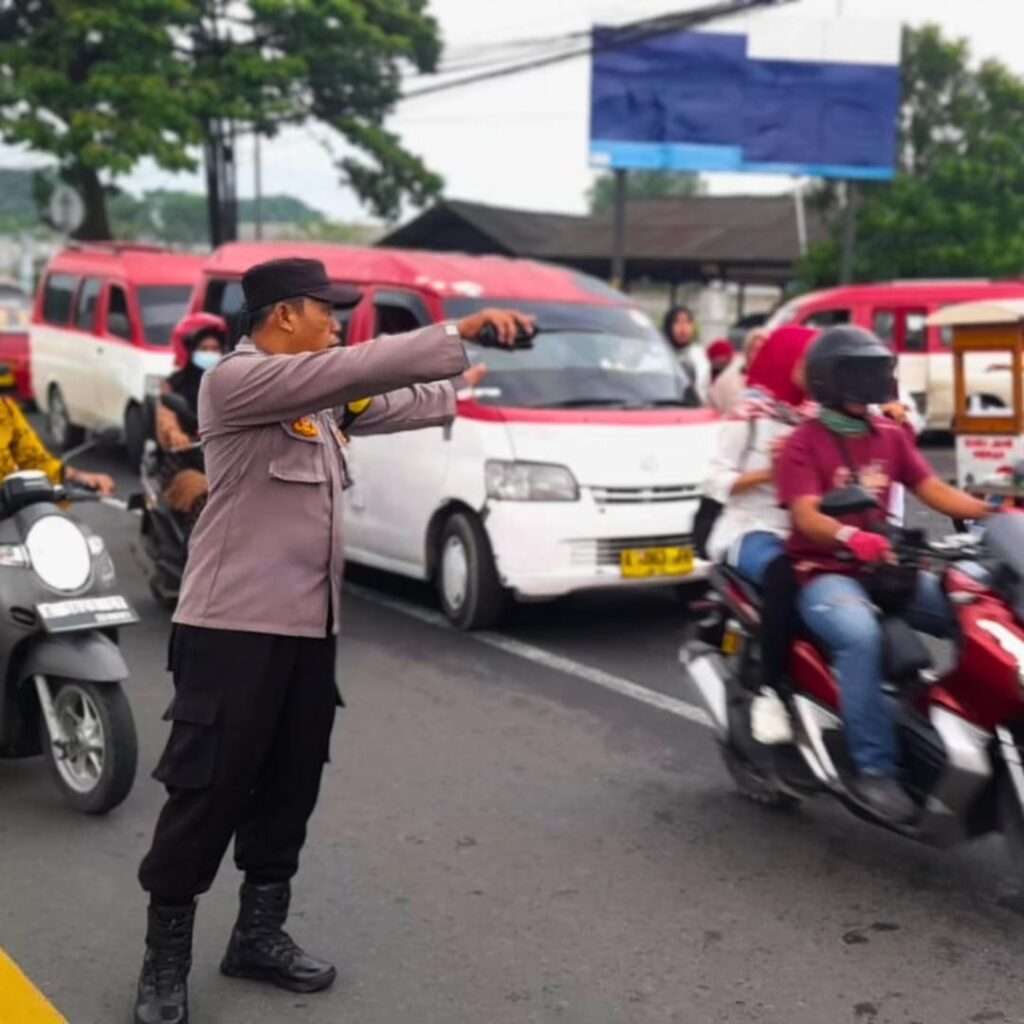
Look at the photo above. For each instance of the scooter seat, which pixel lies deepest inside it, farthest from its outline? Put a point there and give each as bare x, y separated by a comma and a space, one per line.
904, 655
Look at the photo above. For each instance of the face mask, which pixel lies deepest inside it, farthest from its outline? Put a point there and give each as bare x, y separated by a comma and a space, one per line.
205, 360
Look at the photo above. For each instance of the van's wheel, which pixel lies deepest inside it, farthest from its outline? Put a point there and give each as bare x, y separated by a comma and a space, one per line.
134, 435
752, 785
63, 433
467, 582
94, 767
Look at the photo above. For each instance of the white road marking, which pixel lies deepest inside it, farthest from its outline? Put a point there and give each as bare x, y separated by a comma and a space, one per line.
539, 656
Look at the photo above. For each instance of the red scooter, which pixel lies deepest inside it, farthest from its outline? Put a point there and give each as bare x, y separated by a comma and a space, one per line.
961, 733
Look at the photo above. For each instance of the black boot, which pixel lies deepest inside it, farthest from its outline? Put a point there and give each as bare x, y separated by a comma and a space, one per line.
262, 950
163, 989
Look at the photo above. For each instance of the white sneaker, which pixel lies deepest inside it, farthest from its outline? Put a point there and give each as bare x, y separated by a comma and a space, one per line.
769, 719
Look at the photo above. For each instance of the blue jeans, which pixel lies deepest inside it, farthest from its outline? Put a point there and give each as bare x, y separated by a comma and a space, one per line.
838, 611
757, 551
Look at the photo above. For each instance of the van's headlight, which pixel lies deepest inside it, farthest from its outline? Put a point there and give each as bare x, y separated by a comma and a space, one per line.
529, 481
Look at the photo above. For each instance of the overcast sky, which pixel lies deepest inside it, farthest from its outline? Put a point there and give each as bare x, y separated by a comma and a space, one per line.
522, 141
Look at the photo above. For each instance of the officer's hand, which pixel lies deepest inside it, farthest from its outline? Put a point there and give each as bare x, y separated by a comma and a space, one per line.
474, 375
505, 324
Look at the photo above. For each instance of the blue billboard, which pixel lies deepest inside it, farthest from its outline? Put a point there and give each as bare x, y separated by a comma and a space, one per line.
804, 98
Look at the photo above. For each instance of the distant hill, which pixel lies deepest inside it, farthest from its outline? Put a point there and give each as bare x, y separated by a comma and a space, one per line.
170, 215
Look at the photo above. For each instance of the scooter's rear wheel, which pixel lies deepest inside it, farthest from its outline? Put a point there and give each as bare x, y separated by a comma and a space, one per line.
753, 785
95, 766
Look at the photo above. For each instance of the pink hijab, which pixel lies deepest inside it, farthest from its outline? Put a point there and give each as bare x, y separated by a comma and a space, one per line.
773, 366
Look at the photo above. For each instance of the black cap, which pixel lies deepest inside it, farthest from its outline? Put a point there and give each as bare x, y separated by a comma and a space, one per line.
277, 280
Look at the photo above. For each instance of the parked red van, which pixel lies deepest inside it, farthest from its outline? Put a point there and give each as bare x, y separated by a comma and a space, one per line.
100, 338
14, 316
897, 311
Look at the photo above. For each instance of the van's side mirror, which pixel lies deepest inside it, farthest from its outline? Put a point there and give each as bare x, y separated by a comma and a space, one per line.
848, 501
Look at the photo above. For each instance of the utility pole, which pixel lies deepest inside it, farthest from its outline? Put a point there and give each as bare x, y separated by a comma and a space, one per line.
849, 249
619, 231
257, 187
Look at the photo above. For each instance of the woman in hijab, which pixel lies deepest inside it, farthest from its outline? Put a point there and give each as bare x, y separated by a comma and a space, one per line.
199, 342
680, 331
750, 531
751, 528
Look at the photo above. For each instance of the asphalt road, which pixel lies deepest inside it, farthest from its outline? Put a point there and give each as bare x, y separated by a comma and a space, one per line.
503, 839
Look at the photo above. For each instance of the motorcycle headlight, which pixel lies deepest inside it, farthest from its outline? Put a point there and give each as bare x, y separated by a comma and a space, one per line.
152, 384
59, 553
529, 481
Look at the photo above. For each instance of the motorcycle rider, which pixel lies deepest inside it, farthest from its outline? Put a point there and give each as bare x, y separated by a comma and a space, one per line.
199, 341
22, 449
847, 370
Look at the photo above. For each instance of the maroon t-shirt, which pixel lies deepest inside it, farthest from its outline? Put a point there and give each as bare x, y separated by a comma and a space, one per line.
813, 463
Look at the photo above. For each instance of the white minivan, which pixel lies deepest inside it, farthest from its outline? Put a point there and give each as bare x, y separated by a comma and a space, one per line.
573, 465
100, 337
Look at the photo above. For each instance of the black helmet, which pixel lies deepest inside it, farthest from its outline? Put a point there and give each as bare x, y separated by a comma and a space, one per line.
850, 364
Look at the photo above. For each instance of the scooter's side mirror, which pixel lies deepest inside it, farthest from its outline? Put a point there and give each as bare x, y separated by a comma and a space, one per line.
186, 417
848, 501
176, 403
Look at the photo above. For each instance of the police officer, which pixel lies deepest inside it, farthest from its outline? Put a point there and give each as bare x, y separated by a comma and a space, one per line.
253, 646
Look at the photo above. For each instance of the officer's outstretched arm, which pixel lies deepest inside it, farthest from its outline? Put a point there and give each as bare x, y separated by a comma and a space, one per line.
411, 408
250, 390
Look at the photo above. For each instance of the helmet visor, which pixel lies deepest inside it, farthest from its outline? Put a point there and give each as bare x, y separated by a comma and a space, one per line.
867, 380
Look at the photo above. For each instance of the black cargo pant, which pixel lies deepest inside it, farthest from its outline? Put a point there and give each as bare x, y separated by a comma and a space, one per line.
252, 716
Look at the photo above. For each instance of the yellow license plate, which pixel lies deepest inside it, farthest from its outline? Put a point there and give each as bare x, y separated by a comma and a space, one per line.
639, 563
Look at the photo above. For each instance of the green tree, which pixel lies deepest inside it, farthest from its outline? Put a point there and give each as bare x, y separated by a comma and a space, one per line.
99, 85
956, 205
643, 185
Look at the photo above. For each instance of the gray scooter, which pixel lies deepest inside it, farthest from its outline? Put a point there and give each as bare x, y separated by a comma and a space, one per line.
60, 667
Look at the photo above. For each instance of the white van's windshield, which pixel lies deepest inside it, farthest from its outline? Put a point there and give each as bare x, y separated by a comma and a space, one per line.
582, 357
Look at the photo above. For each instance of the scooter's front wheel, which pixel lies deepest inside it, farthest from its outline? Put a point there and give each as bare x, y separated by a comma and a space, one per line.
753, 785
94, 761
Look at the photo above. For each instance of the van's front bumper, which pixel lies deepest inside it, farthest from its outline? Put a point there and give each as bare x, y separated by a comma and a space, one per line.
547, 549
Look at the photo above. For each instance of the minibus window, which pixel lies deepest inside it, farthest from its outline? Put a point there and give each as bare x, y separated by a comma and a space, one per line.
118, 321
827, 318
88, 304
57, 296
162, 307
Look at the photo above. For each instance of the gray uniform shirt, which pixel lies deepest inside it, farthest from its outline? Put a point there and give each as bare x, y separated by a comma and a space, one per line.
267, 553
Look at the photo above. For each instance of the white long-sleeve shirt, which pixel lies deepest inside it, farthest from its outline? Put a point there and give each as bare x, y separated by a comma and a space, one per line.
744, 446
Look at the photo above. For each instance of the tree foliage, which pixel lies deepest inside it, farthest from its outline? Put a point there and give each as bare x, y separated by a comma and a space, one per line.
956, 205
642, 185
100, 86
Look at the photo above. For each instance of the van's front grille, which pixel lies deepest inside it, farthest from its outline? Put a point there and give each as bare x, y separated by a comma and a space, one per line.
645, 495
608, 550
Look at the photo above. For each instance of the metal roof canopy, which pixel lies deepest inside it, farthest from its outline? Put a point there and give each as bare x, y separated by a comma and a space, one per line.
747, 239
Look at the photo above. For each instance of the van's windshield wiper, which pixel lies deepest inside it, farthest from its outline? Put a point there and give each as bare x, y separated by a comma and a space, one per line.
676, 403
573, 403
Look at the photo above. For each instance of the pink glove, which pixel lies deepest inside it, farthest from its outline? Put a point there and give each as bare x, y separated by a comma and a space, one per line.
868, 547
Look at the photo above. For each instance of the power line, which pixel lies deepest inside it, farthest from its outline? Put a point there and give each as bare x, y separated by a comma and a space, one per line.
626, 34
